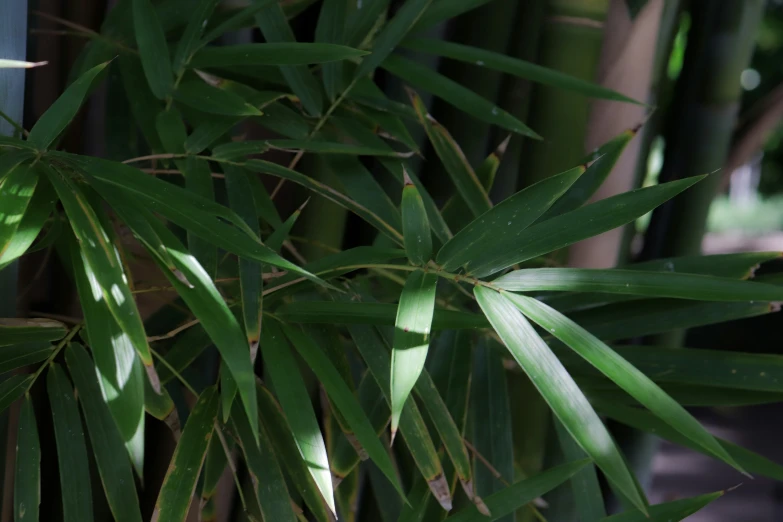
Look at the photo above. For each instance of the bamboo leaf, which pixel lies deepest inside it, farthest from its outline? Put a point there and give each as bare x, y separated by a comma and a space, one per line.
381, 314
559, 390
273, 53
637, 282
17, 189
71, 447
454, 160
12, 388
189, 41
362, 24
200, 95
100, 257
446, 9
214, 464
411, 338
63, 110
331, 29
197, 289
162, 408
392, 34
240, 19
506, 220
14, 331
107, 446
620, 371
585, 487
514, 66
33, 220
120, 372
143, 103
421, 77
27, 477
153, 49
260, 457
280, 235
568, 228
180, 481
520, 493
18, 355
415, 225
668, 511
341, 396
298, 409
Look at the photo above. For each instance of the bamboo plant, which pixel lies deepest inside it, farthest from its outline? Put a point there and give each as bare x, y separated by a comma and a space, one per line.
338, 386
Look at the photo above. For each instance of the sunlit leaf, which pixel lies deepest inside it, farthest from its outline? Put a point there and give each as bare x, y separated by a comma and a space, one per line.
415, 225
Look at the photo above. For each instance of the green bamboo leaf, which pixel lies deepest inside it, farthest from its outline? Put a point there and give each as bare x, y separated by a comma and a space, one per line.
648, 317
214, 464
392, 34
15, 331
198, 291
295, 401
17, 189
143, 103
283, 441
375, 353
411, 338
162, 407
491, 418
18, 355
642, 420
240, 196
381, 314
100, 257
462, 175
451, 369
341, 396
71, 447
331, 28
12, 388
275, 28
520, 493
199, 95
280, 235
259, 454
180, 481
186, 209
668, 511
120, 372
199, 15
27, 230
636, 282
620, 371
208, 132
568, 228
186, 348
585, 488
107, 446
153, 49
441, 10
240, 19
326, 192
514, 66
11, 159
559, 390
362, 24
506, 220
415, 225
63, 110
421, 77
273, 53
238, 149
27, 476
595, 175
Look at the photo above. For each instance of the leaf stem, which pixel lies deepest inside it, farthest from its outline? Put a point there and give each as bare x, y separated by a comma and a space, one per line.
71, 333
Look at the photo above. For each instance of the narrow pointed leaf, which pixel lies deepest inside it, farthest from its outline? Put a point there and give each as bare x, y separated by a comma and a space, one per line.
63, 110
200, 95
392, 34
273, 53
71, 447
558, 389
411, 338
18, 355
180, 482
668, 511
197, 289
15, 331
280, 235
505, 220
189, 41
637, 282
259, 454
102, 259
33, 220
17, 189
161, 406
12, 388
27, 477
585, 488
295, 401
113, 465
415, 225
568, 228
341, 396
520, 493
441, 10
421, 77
514, 66
153, 49
214, 465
